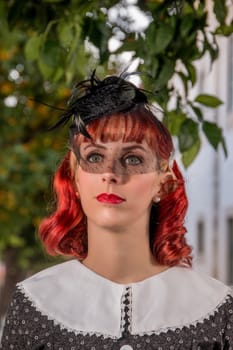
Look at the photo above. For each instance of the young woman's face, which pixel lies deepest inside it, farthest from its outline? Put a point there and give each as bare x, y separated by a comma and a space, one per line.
117, 182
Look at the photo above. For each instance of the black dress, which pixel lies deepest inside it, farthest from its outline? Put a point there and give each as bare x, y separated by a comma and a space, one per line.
69, 307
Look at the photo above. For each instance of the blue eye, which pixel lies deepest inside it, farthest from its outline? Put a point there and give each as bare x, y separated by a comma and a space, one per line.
94, 158
133, 160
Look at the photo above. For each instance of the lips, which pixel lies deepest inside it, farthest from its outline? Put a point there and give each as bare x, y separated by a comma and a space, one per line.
109, 198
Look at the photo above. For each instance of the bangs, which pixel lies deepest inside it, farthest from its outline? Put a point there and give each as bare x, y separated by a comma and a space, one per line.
120, 127
134, 126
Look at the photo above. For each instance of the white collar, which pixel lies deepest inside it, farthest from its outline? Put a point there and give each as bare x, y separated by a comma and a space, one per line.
78, 299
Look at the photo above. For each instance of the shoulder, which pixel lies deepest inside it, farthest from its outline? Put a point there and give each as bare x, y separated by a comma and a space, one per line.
187, 283
191, 282
58, 280
58, 277
67, 267
187, 296
73, 296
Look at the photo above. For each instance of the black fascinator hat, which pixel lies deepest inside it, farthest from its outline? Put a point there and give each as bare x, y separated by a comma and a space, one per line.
93, 98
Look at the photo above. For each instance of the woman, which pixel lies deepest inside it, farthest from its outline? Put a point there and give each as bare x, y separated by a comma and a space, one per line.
121, 205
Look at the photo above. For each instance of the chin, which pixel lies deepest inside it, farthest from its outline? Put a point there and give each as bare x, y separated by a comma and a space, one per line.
113, 225
109, 222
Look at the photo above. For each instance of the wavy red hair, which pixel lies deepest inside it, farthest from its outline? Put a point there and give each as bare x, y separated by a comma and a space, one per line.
65, 230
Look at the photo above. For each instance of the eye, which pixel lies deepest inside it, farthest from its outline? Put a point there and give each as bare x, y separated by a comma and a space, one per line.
133, 160
94, 158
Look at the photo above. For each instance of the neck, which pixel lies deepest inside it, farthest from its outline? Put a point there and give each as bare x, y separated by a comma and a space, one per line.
121, 256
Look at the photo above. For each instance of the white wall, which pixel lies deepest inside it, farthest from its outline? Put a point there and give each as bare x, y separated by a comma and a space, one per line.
210, 178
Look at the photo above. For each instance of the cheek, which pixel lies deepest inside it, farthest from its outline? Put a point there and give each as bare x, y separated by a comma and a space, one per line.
84, 192
83, 183
147, 187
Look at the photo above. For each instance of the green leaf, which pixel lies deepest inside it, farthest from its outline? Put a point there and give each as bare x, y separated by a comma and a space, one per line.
214, 134
45, 69
187, 8
198, 112
184, 79
220, 10
154, 67
52, 54
189, 155
224, 29
57, 75
65, 32
191, 72
224, 146
211, 47
188, 134
186, 25
173, 120
129, 45
163, 36
208, 100
32, 48
166, 72
15, 241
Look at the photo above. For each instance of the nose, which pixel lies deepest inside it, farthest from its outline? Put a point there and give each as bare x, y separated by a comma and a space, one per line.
112, 173
110, 178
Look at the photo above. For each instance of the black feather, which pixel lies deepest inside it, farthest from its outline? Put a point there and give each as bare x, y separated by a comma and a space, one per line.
93, 98
63, 119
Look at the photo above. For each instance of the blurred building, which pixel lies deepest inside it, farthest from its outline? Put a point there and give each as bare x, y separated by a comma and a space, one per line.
210, 178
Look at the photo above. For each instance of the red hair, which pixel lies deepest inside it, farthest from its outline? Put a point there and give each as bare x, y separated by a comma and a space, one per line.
65, 231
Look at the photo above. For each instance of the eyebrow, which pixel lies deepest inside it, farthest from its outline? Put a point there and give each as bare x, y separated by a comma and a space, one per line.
128, 148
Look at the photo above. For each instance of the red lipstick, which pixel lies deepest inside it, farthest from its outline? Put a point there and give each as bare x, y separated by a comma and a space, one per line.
109, 198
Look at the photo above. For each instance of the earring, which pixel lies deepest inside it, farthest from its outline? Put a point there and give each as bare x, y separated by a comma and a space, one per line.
157, 200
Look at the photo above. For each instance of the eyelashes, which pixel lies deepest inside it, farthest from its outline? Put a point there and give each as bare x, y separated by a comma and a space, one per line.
128, 160
133, 160
94, 158
121, 159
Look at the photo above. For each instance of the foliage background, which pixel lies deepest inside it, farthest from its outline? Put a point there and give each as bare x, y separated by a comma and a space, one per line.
48, 45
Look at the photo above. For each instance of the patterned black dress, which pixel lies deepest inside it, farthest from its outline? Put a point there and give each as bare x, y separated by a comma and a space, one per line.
69, 307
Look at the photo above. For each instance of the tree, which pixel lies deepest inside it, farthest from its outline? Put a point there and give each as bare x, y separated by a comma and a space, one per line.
46, 46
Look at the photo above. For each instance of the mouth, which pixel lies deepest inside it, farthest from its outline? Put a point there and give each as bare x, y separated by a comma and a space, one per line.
110, 198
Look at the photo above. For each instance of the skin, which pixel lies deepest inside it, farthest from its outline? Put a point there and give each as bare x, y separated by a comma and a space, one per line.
118, 243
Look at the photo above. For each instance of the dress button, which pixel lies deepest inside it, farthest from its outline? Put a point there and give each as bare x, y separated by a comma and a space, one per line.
126, 347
